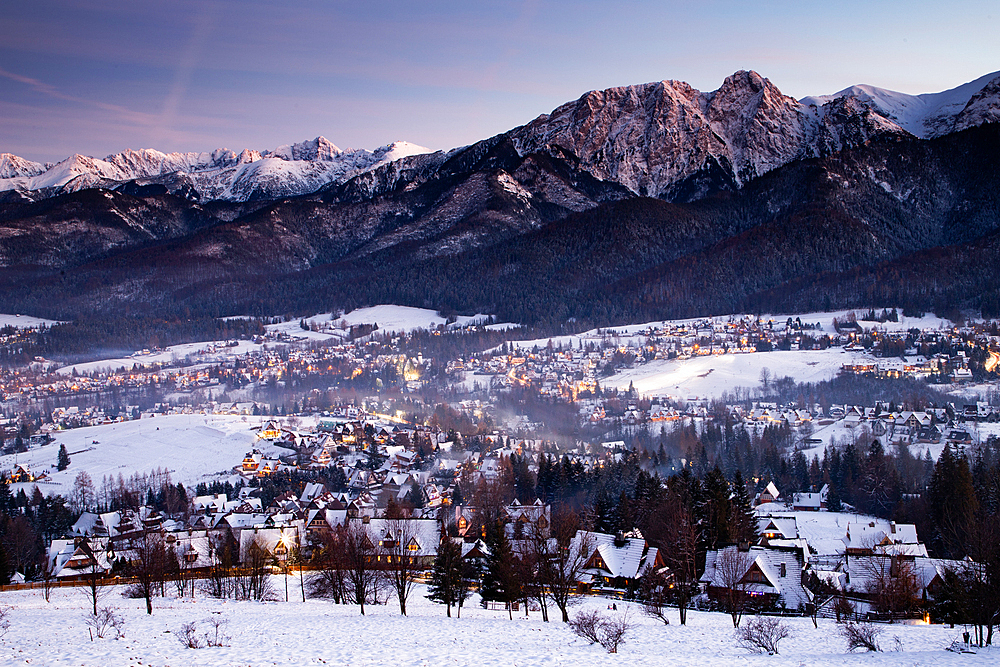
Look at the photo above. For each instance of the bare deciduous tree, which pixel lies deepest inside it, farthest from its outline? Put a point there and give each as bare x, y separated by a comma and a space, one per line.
364, 579
672, 527
222, 550
401, 566
253, 576
892, 584
571, 552
609, 632
147, 563
731, 567
330, 578
93, 575
654, 591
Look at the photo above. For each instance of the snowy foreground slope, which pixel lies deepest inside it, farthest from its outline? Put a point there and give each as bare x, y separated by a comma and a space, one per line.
320, 632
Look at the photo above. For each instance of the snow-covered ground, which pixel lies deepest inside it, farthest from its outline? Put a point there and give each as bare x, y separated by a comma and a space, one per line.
193, 448
203, 352
388, 318
405, 318
24, 321
322, 633
824, 320
710, 376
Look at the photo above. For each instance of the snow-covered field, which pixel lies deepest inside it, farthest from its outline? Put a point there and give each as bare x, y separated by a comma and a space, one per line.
405, 318
824, 320
24, 321
203, 352
389, 319
710, 376
322, 633
193, 448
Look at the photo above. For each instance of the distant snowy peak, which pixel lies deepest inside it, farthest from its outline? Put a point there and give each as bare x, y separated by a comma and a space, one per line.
929, 115
289, 170
319, 148
12, 166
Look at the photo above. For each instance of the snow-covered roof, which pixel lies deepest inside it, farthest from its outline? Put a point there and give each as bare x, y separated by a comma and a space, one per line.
769, 563
607, 559
785, 527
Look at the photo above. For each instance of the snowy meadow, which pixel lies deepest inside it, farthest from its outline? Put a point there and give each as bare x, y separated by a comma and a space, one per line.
318, 632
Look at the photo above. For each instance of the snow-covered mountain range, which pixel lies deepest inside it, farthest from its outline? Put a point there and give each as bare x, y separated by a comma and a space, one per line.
662, 139
221, 174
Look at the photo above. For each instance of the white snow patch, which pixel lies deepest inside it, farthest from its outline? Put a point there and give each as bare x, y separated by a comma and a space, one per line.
24, 321
319, 632
192, 447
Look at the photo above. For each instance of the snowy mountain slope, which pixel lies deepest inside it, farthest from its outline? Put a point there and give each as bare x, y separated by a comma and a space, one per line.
221, 174
928, 115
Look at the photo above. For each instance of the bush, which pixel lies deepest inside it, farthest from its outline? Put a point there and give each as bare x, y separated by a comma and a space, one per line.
190, 638
134, 592
106, 621
762, 634
188, 635
861, 635
595, 628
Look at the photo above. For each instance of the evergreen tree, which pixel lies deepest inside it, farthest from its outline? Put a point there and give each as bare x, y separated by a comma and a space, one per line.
605, 515
500, 579
62, 462
742, 519
449, 583
953, 502
833, 502
6, 499
716, 510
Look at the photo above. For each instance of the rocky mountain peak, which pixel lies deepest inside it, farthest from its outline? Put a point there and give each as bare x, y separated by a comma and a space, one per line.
319, 148
983, 107
12, 166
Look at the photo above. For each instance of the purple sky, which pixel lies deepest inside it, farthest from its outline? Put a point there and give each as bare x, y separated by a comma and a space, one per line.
97, 77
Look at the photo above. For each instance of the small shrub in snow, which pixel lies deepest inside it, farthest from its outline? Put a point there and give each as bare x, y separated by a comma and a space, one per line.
106, 621
217, 637
5, 614
188, 635
597, 629
585, 624
861, 635
133, 592
762, 634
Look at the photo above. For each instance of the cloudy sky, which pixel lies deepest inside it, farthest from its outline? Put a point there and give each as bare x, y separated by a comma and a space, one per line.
99, 76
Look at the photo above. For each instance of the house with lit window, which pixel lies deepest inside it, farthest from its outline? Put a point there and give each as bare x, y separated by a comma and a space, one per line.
614, 562
768, 578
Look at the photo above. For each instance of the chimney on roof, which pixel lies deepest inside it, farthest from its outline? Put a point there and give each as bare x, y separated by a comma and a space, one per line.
892, 527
